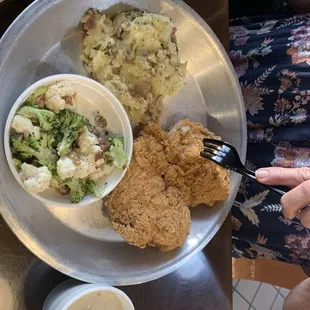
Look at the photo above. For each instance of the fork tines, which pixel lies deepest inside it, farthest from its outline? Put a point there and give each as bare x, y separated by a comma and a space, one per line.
219, 143
215, 150
215, 147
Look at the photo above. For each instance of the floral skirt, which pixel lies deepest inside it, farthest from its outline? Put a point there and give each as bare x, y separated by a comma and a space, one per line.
271, 56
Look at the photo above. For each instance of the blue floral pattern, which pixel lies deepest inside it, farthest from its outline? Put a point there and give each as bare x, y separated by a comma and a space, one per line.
271, 57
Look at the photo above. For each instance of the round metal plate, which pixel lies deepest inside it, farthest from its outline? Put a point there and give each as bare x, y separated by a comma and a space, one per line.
80, 242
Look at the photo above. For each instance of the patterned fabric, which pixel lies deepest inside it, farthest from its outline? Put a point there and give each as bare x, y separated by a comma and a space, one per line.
271, 56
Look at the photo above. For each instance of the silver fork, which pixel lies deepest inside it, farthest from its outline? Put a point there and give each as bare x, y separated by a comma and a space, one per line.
226, 156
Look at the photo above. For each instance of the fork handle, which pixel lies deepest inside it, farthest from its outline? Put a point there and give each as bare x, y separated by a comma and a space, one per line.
251, 175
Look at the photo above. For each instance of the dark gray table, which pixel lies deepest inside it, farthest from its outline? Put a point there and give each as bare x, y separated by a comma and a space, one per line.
204, 283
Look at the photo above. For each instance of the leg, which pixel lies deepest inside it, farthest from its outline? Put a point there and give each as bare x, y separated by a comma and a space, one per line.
298, 298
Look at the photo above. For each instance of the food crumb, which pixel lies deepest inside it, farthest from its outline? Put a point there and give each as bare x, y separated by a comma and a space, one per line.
100, 121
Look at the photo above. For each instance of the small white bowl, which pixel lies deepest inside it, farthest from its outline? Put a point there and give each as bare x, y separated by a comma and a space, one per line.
71, 291
91, 97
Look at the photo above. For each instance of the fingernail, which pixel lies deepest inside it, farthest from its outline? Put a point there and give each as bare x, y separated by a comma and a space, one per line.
261, 174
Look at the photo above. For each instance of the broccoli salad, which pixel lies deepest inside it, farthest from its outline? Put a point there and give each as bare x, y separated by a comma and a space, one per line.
55, 147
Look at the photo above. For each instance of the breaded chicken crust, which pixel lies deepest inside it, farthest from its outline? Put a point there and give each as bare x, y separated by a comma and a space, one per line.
202, 180
166, 176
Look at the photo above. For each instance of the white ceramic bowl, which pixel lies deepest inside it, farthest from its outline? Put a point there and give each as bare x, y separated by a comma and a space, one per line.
91, 97
71, 291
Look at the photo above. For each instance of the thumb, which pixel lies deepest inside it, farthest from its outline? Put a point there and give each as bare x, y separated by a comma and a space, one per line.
291, 177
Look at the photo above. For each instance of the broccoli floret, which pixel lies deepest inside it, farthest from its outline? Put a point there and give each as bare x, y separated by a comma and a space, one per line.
40, 151
17, 163
71, 125
116, 153
47, 119
78, 189
108, 159
93, 188
37, 98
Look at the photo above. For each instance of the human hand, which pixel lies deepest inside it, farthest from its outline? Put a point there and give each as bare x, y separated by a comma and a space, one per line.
296, 199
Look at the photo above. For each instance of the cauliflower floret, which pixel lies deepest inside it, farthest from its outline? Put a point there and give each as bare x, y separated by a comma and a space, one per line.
102, 171
96, 175
63, 89
55, 103
102, 168
24, 125
84, 169
86, 140
60, 96
90, 163
21, 124
94, 156
36, 132
65, 168
36, 180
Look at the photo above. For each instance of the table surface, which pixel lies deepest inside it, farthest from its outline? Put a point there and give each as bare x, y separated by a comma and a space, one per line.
202, 283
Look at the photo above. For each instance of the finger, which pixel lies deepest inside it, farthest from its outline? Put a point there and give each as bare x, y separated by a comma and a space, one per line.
296, 199
283, 176
304, 217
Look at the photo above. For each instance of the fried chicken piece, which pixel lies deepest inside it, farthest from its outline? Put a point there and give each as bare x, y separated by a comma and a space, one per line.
149, 150
166, 175
206, 182
143, 210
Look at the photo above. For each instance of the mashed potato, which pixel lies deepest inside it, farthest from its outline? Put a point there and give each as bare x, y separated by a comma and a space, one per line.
135, 55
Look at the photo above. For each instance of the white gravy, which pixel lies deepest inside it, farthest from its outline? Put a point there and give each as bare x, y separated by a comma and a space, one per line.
97, 301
